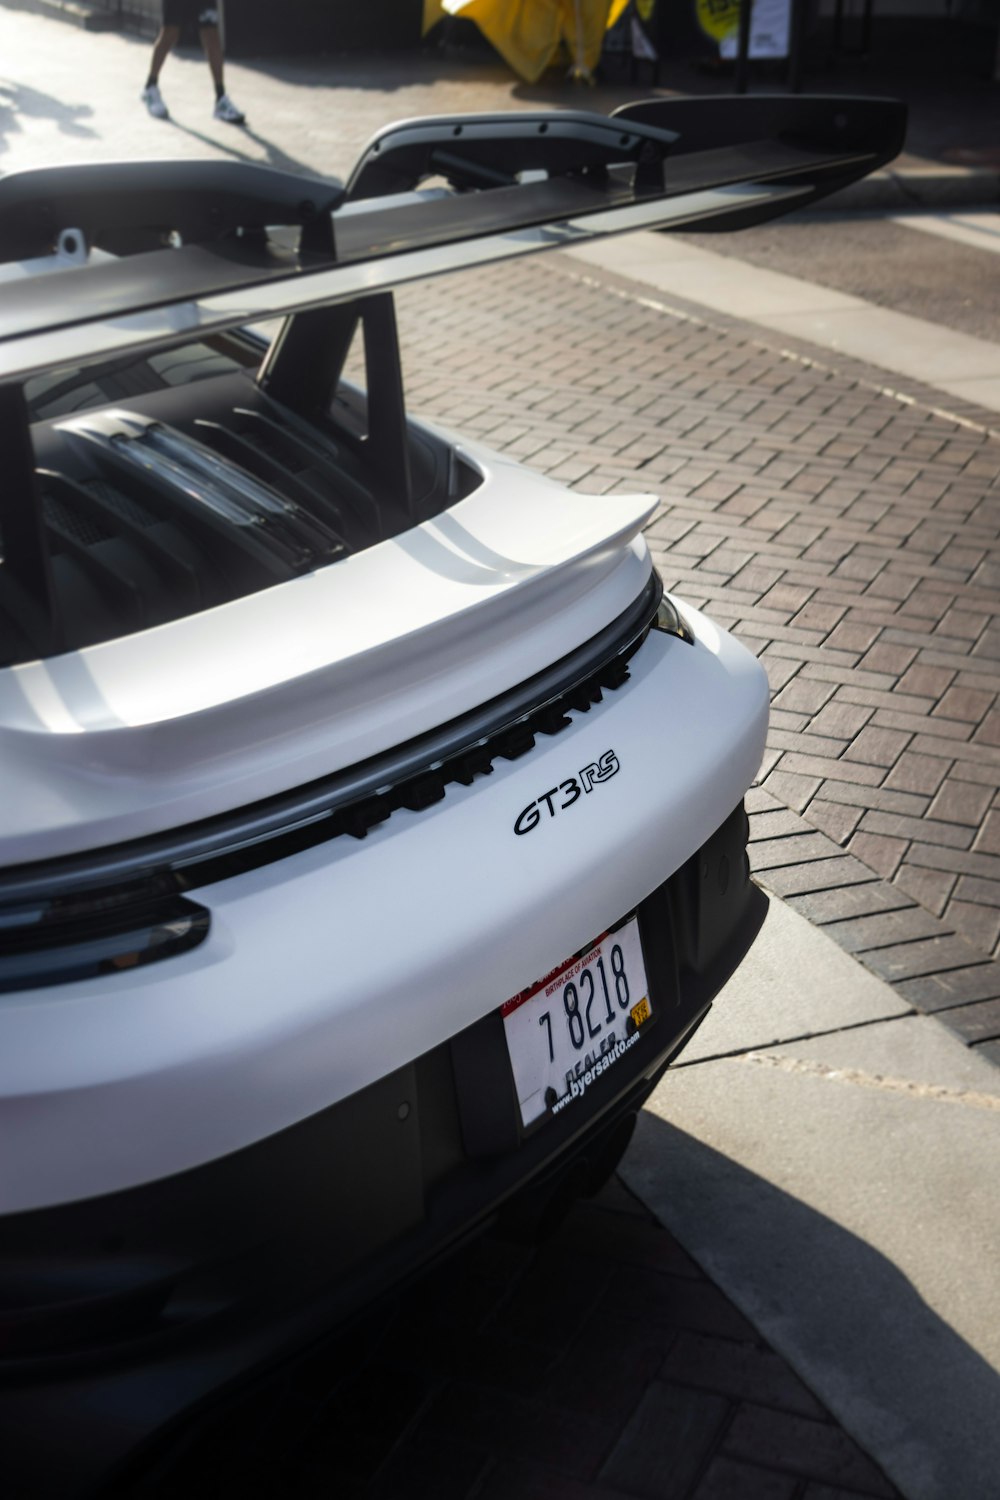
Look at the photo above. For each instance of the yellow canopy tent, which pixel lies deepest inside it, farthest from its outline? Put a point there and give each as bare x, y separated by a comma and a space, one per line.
527, 33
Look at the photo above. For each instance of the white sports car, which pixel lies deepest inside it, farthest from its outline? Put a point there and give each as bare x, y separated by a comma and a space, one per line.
371, 833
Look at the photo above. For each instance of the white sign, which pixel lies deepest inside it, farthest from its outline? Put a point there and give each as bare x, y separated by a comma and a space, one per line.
770, 25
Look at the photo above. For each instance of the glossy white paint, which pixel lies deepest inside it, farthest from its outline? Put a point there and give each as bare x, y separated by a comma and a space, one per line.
329, 969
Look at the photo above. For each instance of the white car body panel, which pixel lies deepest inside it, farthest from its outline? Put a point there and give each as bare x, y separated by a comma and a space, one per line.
218, 1048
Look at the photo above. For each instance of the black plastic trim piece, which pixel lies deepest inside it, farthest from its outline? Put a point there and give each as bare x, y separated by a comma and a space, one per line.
488, 151
125, 206
55, 941
26, 571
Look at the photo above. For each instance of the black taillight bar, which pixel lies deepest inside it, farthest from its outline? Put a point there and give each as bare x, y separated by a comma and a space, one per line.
86, 936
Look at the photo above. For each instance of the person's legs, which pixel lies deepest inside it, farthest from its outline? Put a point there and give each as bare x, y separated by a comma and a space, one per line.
151, 96
212, 46
162, 47
211, 43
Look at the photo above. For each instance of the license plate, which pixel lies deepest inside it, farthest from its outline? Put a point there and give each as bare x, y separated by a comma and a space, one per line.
568, 1029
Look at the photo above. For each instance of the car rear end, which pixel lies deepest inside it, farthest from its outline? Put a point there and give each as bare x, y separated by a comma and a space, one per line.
373, 831
336, 917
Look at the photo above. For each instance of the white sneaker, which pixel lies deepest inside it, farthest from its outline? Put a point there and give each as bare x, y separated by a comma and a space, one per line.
153, 100
226, 110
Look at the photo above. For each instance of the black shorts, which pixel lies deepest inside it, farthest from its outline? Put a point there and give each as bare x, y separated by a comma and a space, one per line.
190, 13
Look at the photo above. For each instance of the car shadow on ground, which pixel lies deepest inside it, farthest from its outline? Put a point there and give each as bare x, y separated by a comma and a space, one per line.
856, 1329
606, 1358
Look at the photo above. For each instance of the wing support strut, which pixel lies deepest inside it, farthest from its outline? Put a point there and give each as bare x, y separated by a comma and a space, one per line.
26, 571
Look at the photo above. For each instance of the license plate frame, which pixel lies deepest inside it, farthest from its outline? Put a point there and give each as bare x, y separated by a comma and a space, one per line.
567, 1030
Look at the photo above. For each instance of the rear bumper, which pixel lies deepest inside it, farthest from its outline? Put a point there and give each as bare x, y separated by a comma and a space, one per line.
328, 969
122, 1314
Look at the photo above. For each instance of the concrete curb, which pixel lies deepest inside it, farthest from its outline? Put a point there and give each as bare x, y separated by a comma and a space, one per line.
826, 1185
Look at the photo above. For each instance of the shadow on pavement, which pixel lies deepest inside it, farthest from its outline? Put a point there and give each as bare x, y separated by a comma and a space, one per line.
601, 1363
273, 155
17, 100
940, 67
910, 1391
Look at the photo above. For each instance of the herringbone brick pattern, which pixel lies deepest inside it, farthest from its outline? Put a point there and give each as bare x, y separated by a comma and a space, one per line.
849, 535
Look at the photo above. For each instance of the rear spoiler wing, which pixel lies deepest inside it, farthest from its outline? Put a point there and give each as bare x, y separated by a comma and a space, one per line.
195, 248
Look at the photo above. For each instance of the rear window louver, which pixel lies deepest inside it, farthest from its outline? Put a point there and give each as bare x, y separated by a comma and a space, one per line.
146, 523
212, 489
282, 450
146, 557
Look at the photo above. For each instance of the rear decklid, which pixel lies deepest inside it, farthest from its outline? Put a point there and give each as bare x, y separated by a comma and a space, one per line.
296, 682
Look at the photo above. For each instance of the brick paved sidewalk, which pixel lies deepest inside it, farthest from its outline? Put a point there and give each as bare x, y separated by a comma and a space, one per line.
848, 534
603, 1367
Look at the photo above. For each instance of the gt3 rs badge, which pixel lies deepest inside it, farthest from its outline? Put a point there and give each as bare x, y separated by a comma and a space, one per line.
558, 798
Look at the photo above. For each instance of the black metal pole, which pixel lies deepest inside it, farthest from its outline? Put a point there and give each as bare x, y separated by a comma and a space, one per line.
743, 46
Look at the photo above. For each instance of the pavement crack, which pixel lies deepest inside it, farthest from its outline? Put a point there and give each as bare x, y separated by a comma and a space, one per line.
857, 1077
791, 1041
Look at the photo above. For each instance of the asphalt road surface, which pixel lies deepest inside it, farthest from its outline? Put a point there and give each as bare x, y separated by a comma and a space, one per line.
939, 266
